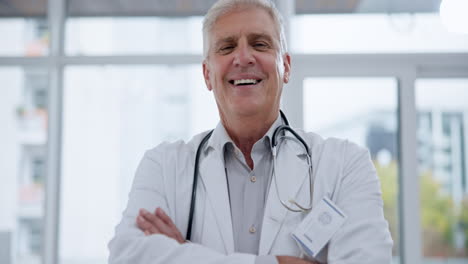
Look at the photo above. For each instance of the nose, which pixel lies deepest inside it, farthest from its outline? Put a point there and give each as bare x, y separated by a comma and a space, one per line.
243, 56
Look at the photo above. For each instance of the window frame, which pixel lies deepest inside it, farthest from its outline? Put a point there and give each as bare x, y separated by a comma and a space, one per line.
406, 70
405, 67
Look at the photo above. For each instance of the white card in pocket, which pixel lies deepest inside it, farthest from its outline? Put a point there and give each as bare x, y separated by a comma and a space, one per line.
318, 227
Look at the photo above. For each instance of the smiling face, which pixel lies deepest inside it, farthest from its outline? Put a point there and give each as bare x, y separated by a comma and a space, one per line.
244, 67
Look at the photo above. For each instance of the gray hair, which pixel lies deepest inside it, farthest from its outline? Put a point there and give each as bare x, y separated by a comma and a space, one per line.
223, 7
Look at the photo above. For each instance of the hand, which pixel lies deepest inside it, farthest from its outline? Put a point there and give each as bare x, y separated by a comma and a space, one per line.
293, 260
158, 223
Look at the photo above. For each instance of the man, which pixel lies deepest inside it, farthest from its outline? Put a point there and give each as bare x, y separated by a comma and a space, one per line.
238, 214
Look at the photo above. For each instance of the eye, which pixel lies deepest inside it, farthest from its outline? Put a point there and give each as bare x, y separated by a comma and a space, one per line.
226, 49
261, 45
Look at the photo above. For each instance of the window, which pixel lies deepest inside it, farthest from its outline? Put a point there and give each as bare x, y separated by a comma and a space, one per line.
114, 109
364, 111
112, 115
443, 160
373, 33
24, 37
130, 35
23, 139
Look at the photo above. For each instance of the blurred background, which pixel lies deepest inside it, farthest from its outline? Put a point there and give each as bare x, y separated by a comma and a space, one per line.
87, 86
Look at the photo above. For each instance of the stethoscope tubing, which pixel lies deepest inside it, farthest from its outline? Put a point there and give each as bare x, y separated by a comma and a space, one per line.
274, 145
194, 185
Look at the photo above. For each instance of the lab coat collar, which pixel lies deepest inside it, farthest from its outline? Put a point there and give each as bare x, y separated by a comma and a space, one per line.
213, 177
293, 179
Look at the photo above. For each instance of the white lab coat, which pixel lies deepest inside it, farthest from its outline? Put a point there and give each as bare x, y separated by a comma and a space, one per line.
343, 172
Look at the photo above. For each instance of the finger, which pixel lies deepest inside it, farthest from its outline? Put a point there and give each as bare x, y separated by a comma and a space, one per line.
146, 225
170, 231
162, 226
161, 214
165, 228
143, 225
151, 218
159, 224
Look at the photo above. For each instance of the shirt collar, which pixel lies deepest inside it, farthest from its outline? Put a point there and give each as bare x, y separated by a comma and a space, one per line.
220, 137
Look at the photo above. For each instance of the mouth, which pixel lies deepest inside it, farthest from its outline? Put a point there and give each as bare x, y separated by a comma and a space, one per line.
245, 82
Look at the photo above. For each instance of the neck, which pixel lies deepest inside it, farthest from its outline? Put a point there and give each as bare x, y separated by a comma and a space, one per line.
246, 130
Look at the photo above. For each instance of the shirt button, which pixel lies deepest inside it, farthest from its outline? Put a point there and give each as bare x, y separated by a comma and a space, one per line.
252, 230
253, 178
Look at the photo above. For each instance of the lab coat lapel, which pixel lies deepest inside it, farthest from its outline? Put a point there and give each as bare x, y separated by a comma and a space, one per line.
214, 178
290, 180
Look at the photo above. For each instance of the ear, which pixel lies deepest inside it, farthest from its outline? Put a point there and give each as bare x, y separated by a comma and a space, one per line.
206, 75
287, 67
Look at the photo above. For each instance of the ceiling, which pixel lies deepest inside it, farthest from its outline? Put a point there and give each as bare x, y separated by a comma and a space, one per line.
38, 8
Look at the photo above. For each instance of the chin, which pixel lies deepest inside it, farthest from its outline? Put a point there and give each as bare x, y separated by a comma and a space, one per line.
248, 108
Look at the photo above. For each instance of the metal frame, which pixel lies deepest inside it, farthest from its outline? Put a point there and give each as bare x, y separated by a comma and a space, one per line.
405, 67
400, 66
56, 12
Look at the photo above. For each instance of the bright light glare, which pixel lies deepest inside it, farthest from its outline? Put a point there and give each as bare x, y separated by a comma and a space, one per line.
454, 15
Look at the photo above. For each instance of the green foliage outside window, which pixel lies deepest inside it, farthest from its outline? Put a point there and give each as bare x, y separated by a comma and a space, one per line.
441, 219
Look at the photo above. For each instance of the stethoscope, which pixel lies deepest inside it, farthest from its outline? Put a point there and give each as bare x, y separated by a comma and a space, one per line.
275, 144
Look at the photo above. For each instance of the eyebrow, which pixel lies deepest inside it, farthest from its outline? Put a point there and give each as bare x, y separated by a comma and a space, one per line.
250, 37
255, 36
225, 40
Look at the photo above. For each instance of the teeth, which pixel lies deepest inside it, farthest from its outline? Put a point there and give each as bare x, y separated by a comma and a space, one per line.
244, 81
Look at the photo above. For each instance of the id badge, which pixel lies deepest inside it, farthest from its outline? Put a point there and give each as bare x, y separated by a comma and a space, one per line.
318, 227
